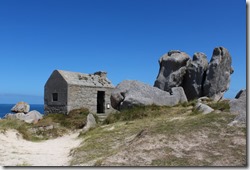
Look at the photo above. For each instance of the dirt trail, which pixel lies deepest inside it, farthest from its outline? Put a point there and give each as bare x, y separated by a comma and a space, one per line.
15, 151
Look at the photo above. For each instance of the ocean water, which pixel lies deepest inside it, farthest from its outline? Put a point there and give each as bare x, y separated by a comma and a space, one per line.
6, 108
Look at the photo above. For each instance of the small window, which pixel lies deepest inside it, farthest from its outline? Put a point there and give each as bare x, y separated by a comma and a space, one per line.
54, 97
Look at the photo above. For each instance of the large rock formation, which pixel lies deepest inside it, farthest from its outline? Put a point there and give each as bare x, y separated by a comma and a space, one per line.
218, 75
238, 106
134, 93
197, 77
172, 69
194, 77
21, 107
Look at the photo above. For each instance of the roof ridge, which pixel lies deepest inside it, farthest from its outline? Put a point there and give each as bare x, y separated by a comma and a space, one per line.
97, 79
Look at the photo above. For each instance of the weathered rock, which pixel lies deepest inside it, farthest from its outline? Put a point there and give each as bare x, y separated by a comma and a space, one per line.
218, 74
172, 69
91, 123
205, 109
179, 93
238, 107
130, 93
10, 116
30, 117
242, 94
194, 77
21, 107
197, 77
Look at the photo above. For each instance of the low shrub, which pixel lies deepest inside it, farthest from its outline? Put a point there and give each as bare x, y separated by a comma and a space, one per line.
76, 119
138, 112
220, 105
112, 118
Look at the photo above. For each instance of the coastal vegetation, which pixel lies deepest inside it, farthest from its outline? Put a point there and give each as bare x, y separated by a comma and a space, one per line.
51, 126
147, 136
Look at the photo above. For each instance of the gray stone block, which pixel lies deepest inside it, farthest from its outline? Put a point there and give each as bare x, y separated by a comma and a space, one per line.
134, 93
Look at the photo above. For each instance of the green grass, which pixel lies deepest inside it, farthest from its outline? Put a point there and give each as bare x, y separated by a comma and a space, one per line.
187, 104
24, 164
76, 119
135, 113
221, 105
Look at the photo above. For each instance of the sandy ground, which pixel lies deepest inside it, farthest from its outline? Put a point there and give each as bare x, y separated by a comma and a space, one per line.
15, 151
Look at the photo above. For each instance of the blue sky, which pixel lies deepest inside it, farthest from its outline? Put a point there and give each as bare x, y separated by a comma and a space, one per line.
123, 37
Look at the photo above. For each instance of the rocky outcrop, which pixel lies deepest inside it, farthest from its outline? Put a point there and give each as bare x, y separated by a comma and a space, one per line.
21, 107
130, 93
218, 74
30, 117
238, 107
172, 69
90, 123
197, 77
194, 77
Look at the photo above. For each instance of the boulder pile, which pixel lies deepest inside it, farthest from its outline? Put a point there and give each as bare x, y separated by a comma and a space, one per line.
180, 78
22, 112
197, 77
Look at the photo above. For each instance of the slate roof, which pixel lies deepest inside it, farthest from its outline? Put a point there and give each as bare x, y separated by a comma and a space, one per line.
97, 79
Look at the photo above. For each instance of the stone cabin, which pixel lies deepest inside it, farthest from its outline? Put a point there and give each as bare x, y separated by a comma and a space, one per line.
65, 91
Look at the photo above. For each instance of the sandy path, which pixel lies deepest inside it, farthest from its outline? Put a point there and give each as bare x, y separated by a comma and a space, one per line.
55, 152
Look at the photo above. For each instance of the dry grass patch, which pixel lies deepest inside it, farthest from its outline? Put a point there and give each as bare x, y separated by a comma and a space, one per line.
163, 136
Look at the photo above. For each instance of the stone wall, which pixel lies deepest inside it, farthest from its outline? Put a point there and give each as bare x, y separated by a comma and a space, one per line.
55, 109
82, 96
55, 84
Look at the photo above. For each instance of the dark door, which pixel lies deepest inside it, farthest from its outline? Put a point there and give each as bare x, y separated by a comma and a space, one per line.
101, 102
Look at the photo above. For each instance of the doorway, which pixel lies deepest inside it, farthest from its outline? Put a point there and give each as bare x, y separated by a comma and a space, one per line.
100, 101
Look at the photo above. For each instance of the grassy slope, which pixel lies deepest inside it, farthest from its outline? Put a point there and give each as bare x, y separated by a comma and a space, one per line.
163, 136
61, 124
